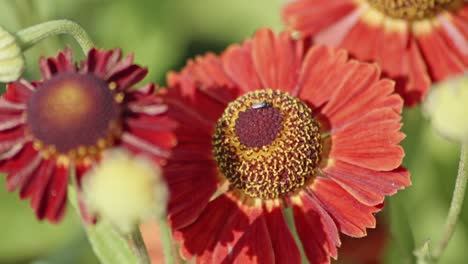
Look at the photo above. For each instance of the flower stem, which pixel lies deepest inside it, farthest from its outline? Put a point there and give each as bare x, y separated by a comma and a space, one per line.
138, 246
166, 240
455, 206
28, 37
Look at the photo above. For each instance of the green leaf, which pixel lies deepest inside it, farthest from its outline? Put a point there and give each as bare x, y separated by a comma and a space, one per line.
109, 245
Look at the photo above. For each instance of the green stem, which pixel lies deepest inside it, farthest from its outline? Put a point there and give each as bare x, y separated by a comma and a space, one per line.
455, 206
28, 37
166, 239
138, 246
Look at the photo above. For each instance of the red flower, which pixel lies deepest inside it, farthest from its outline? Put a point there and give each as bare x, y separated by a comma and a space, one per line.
414, 43
68, 119
267, 126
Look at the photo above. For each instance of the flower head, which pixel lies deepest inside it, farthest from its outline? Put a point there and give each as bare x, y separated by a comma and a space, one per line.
68, 120
125, 190
414, 42
268, 125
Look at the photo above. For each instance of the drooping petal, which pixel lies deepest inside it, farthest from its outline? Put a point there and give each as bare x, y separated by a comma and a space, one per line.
195, 179
284, 246
316, 229
351, 217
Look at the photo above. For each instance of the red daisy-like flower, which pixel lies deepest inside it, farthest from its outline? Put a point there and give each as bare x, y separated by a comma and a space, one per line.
414, 42
69, 118
268, 126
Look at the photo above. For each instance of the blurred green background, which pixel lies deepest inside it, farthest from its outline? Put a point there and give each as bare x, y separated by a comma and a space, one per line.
163, 34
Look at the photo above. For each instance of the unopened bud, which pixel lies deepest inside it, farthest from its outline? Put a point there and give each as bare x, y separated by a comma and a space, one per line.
125, 190
447, 107
11, 57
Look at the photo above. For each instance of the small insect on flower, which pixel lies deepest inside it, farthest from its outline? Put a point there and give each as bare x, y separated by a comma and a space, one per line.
260, 105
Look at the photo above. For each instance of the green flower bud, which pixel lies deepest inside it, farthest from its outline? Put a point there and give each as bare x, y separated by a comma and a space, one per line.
12, 62
447, 107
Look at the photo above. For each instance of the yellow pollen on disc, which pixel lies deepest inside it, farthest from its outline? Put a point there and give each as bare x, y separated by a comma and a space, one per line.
414, 9
267, 144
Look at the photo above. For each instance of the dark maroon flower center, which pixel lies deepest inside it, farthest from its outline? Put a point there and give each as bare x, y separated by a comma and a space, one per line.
267, 144
72, 112
259, 126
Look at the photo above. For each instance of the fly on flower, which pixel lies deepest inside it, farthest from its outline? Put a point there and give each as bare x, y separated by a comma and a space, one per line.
414, 42
269, 125
67, 120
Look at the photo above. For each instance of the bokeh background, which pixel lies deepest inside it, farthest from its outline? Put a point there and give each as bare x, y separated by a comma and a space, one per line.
163, 34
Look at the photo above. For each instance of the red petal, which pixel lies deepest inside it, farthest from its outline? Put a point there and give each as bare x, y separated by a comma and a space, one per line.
316, 229
336, 33
359, 84
234, 235
370, 142
102, 62
441, 61
264, 59
361, 33
19, 161
461, 23
37, 189
254, 246
127, 77
368, 186
284, 246
311, 17
80, 171
200, 238
18, 178
391, 53
454, 38
153, 130
323, 71
189, 105
142, 146
56, 194
377, 95
11, 138
277, 60
191, 185
18, 92
351, 216
238, 64
208, 71
418, 82
62, 63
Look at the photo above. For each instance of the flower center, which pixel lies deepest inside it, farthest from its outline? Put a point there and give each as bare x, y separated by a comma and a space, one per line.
267, 144
414, 9
73, 114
